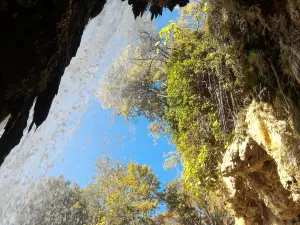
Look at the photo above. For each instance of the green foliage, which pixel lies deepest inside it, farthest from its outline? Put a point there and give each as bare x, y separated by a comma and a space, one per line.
123, 194
190, 85
172, 160
54, 201
201, 109
120, 195
186, 209
135, 85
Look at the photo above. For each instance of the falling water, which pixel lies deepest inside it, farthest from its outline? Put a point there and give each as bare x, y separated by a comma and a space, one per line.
104, 38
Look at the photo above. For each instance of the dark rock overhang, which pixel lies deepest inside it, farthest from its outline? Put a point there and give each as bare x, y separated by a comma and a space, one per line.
155, 7
38, 40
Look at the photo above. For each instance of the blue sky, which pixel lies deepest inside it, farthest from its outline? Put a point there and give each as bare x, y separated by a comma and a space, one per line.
100, 132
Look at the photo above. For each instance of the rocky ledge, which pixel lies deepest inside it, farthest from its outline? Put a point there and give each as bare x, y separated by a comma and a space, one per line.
261, 170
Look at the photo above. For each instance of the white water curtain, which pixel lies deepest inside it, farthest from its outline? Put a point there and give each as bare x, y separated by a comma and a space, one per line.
104, 38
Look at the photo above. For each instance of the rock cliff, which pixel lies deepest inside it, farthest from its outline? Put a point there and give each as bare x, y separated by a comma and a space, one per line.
261, 169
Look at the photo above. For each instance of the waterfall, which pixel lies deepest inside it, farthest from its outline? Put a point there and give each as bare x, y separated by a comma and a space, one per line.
104, 38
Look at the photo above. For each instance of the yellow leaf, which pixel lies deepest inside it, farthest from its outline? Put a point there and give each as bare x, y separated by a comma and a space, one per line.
205, 7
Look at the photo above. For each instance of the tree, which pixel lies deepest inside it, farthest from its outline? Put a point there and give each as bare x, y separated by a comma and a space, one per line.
186, 209
53, 201
123, 194
189, 85
135, 84
120, 195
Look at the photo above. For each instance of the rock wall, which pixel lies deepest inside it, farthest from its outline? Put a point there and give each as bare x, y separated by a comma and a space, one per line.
38, 40
261, 169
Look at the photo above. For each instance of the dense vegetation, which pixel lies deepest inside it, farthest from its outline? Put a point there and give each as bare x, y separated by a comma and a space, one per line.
120, 194
196, 77
183, 81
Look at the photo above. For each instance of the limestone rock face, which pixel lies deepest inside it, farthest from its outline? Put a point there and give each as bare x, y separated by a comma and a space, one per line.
261, 170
